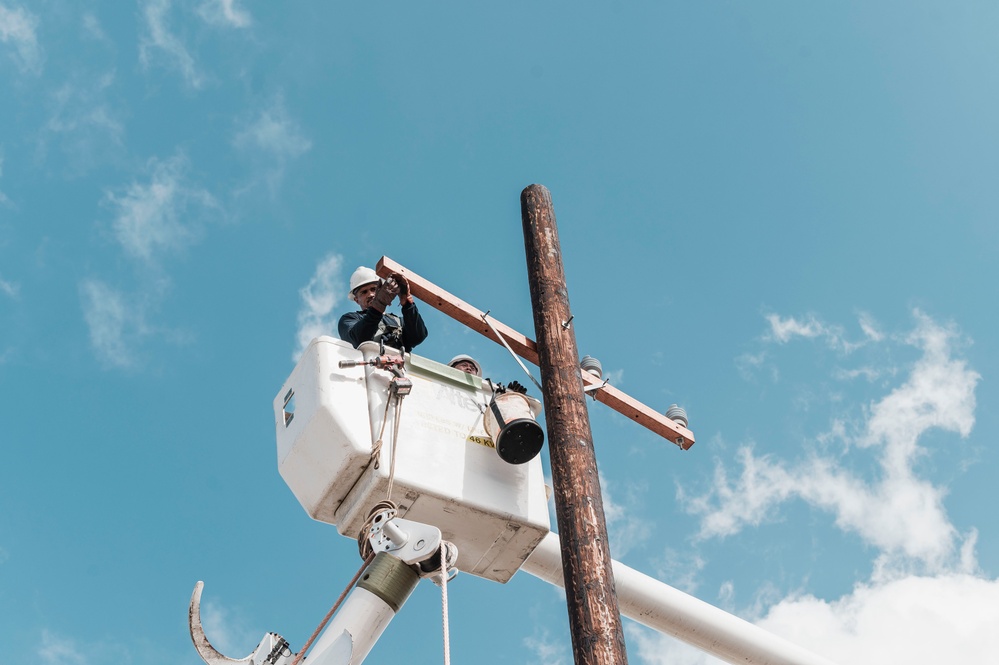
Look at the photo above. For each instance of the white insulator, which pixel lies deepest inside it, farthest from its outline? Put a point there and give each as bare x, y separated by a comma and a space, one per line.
677, 415
592, 365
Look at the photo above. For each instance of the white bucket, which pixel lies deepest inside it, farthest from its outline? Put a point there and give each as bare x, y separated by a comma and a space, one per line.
511, 421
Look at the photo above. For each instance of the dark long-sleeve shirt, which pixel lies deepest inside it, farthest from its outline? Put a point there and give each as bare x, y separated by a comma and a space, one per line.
357, 327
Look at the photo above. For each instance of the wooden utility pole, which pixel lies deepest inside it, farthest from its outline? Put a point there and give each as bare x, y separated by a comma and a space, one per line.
594, 619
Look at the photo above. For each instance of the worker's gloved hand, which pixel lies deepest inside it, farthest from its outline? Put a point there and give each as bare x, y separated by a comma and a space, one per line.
404, 294
515, 387
386, 293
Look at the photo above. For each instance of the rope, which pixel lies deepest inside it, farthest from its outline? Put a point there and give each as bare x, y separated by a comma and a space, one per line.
376, 450
395, 444
336, 605
448, 556
444, 616
363, 542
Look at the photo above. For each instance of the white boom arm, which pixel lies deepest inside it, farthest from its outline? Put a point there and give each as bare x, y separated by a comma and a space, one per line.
673, 612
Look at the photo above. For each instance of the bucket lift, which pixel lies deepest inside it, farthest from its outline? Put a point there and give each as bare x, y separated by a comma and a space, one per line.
357, 426
400, 452
447, 470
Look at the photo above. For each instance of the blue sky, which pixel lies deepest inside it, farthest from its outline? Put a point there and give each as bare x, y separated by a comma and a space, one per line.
780, 215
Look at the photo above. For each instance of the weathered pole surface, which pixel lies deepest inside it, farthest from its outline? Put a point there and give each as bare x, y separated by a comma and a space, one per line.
594, 619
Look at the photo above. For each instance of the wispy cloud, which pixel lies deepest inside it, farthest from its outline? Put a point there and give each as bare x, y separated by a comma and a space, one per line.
224, 12
159, 44
680, 568
115, 325
226, 631
748, 364
319, 299
783, 330
55, 650
162, 215
3, 197
871, 328
10, 289
84, 122
92, 27
153, 217
271, 139
899, 513
547, 649
615, 377
18, 29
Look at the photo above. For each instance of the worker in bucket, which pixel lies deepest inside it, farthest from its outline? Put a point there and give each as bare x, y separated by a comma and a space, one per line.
470, 365
372, 322
466, 364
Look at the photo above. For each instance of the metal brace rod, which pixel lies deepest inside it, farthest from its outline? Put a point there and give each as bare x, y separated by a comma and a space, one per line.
485, 317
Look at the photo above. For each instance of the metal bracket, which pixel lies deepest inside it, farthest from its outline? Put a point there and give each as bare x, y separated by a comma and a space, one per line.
412, 542
593, 389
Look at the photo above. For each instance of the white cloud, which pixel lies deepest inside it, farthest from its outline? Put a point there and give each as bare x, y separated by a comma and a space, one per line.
18, 28
548, 650
159, 41
56, 650
3, 197
915, 620
783, 330
113, 323
272, 139
615, 377
226, 632
319, 299
869, 373
900, 514
10, 289
224, 12
870, 328
652, 648
161, 215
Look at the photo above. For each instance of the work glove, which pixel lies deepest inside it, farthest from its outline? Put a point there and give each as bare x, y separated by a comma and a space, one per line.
513, 386
405, 296
386, 293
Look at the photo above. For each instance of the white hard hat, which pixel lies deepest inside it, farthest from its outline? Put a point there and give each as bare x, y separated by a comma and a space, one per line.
470, 359
361, 277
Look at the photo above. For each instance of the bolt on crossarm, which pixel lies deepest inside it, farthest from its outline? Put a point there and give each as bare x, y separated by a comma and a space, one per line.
594, 619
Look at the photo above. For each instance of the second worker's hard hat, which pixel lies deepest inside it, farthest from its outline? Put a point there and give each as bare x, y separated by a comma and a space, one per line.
361, 277
469, 359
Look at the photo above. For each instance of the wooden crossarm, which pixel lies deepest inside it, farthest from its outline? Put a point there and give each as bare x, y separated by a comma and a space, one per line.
527, 348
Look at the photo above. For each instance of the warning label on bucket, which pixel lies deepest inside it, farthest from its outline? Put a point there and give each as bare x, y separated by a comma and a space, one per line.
482, 441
